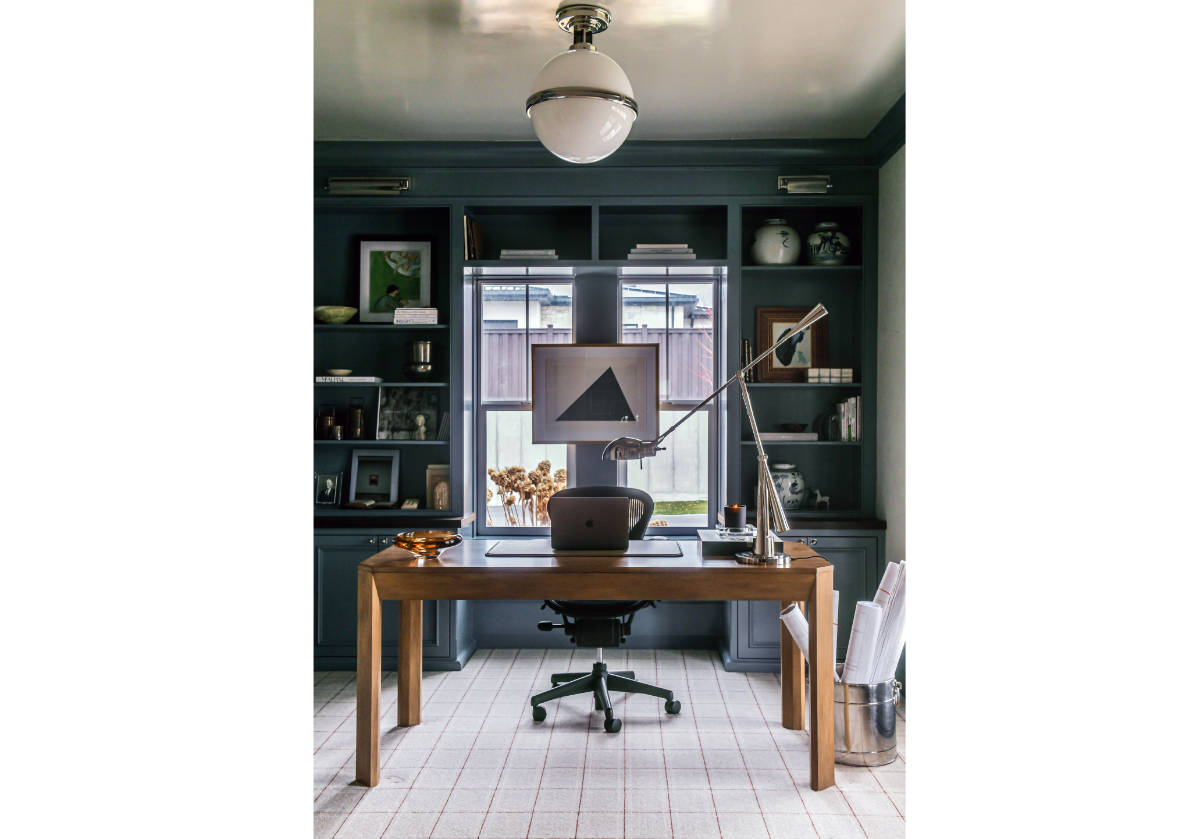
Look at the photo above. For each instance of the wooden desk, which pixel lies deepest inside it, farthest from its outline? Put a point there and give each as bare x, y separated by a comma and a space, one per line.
465, 572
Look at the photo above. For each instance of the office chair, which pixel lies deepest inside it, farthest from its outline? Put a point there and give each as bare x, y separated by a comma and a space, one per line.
599, 624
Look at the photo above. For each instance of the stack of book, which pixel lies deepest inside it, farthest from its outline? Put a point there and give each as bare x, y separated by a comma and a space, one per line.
849, 424
831, 375
528, 253
661, 252
404, 317
787, 436
351, 379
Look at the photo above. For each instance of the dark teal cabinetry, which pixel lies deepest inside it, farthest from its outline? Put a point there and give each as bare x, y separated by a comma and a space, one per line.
751, 640
447, 626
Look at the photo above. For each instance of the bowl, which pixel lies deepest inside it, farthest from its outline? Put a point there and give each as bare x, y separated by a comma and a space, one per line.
334, 314
338, 371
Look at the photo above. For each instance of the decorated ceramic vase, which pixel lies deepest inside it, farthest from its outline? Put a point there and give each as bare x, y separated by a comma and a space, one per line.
776, 244
827, 245
789, 484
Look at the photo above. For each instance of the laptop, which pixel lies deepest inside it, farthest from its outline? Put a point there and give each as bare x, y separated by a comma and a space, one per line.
588, 523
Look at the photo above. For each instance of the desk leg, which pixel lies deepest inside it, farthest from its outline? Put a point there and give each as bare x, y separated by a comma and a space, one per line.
366, 754
820, 659
408, 665
791, 677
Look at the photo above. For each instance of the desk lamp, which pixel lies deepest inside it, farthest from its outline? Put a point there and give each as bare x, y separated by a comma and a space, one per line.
770, 509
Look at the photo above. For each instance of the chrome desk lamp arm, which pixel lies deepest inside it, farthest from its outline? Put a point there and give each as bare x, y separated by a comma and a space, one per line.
768, 503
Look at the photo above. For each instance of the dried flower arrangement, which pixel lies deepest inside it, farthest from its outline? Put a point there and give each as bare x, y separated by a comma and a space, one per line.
525, 496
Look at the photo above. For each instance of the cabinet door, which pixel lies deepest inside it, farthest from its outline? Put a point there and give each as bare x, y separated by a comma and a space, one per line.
335, 586
754, 624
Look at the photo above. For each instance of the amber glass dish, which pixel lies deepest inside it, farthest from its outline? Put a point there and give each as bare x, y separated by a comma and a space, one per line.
427, 543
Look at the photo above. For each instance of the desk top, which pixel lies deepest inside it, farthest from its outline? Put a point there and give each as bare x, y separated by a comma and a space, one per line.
465, 571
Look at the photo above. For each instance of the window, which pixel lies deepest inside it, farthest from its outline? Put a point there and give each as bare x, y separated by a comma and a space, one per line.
514, 483
517, 309
679, 317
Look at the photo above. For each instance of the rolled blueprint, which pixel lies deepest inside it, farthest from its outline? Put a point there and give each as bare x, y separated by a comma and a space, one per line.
887, 585
797, 627
836, 677
860, 652
891, 633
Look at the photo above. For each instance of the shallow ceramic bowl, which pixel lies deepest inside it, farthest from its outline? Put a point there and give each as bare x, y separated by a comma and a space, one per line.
339, 371
334, 314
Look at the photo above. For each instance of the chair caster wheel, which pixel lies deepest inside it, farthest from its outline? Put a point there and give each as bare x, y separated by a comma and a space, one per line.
673, 706
539, 713
612, 726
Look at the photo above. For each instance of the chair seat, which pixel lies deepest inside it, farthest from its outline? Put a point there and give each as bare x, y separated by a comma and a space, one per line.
596, 608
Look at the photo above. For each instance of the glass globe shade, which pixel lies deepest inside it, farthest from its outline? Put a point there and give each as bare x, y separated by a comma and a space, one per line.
582, 129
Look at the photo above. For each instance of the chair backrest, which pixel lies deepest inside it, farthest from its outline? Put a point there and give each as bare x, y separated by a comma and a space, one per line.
641, 505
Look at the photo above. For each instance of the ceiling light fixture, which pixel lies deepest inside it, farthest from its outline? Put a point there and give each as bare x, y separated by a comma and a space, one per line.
582, 104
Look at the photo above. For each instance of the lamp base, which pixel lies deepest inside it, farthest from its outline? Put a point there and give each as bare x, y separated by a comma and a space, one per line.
751, 558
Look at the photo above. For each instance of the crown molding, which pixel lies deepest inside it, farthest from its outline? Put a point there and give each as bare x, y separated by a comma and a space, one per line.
887, 136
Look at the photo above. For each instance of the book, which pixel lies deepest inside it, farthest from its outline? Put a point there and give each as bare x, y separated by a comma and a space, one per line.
356, 379
547, 252
472, 238
787, 436
633, 255
661, 250
640, 246
414, 316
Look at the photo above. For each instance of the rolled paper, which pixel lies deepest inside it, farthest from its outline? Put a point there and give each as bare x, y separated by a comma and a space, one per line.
891, 633
833, 657
797, 627
887, 585
860, 652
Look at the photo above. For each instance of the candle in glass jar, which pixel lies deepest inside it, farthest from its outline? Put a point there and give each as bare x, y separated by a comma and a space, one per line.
735, 516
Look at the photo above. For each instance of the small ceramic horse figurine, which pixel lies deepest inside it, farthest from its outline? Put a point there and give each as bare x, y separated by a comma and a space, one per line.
820, 499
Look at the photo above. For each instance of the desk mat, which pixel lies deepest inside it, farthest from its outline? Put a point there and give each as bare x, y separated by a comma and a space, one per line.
541, 547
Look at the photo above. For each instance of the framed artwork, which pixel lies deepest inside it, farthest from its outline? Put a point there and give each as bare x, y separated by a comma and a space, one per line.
392, 275
375, 476
327, 489
594, 393
789, 361
407, 413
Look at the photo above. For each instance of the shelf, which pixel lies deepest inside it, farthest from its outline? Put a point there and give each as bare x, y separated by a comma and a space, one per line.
376, 327
823, 520
572, 264
803, 384
381, 442
810, 270
336, 517
352, 513
805, 442
381, 384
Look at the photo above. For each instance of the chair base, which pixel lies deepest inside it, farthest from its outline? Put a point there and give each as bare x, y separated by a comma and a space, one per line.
599, 682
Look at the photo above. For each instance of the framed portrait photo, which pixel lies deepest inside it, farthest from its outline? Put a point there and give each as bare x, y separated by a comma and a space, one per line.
594, 393
375, 476
789, 362
392, 275
327, 489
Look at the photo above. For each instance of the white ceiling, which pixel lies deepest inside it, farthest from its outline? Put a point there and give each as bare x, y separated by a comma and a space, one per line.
701, 69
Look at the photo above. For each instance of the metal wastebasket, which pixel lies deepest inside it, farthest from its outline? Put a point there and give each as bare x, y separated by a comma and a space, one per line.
864, 722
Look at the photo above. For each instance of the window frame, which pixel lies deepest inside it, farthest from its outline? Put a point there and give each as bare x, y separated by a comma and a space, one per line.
715, 409
484, 407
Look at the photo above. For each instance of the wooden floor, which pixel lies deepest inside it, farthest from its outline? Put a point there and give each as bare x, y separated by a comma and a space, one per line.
479, 767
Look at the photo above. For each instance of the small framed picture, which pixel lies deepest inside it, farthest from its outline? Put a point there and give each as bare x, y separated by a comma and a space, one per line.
789, 362
375, 476
437, 486
594, 393
327, 489
392, 275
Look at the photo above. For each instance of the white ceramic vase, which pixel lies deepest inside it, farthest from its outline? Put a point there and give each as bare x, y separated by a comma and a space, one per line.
775, 243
